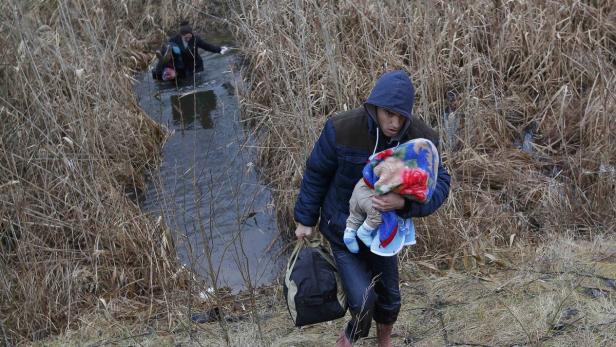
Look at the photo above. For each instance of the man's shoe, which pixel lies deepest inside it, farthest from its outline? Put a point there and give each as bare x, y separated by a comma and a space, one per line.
343, 341
383, 334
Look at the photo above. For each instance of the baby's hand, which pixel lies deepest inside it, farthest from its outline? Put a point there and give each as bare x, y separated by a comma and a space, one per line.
387, 202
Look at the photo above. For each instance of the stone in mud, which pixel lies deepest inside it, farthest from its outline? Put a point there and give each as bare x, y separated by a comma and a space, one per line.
207, 316
596, 293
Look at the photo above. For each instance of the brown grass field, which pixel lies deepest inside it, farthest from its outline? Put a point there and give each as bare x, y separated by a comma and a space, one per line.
548, 66
521, 254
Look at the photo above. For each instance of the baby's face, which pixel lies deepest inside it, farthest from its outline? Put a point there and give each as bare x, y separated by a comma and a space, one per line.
390, 174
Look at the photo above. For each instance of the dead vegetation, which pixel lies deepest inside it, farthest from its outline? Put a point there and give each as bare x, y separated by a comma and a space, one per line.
521, 93
530, 146
73, 143
558, 294
528, 133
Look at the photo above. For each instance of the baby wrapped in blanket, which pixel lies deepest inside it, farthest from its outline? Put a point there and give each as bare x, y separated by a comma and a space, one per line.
410, 170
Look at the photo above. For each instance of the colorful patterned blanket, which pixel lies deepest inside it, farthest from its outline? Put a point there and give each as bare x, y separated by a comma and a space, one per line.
410, 170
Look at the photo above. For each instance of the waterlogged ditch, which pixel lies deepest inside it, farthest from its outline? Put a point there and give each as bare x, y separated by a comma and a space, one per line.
207, 188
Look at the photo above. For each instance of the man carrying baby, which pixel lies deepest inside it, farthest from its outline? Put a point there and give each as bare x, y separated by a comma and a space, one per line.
333, 168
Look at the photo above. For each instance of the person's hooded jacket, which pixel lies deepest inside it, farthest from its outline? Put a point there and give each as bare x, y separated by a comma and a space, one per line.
190, 53
347, 141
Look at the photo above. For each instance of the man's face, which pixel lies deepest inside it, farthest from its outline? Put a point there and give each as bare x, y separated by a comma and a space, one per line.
390, 122
187, 37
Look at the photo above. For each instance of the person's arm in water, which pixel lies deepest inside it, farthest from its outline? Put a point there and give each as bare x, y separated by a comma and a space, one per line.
320, 169
209, 47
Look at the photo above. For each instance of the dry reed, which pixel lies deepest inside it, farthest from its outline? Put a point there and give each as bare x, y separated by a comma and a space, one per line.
530, 146
73, 142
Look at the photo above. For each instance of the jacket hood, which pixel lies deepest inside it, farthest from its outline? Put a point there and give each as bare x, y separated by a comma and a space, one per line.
393, 91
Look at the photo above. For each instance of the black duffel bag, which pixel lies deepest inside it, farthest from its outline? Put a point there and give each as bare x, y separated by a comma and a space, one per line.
312, 287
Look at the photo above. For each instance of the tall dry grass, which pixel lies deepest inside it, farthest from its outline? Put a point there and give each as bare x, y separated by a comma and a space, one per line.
544, 70
73, 142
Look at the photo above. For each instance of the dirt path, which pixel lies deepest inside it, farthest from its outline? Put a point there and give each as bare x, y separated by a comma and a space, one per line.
559, 294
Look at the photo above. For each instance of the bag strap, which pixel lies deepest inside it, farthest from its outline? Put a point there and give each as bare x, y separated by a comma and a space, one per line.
315, 242
293, 258
294, 254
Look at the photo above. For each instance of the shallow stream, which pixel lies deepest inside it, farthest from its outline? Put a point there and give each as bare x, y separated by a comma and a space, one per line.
207, 188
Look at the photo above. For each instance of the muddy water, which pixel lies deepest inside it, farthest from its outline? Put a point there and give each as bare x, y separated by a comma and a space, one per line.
207, 188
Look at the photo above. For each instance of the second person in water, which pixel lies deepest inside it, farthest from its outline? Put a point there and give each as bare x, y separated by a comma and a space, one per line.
182, 55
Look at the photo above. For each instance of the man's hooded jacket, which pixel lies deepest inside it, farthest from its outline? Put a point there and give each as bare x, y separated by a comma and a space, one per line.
347, 141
